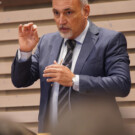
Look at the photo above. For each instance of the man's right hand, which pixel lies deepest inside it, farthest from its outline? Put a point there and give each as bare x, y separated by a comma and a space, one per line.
28, 37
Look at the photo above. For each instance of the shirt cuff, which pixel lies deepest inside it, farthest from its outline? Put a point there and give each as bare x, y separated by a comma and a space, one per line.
76, 83
23, 56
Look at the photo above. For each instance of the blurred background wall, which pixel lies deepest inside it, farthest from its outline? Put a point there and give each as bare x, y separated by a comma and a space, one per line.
22, 104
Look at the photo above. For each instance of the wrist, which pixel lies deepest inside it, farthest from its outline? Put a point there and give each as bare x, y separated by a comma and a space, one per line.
24, 55
24, 50
73, 80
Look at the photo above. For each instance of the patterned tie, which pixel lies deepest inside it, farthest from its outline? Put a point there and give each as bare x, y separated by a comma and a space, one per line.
64, 91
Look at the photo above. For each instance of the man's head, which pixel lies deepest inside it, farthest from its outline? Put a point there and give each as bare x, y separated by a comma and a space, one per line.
70, 16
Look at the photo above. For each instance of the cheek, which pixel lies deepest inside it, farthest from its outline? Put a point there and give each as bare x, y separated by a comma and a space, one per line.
73, 23
56, 21
76, 25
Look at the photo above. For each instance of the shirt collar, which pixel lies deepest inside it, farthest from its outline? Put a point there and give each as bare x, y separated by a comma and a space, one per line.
82, 36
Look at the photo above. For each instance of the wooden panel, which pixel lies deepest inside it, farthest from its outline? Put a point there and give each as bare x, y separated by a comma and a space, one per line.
26, 15
8, 3
130, 41
32, 116
12, 34
6, 84
119, 25
132, 59
6, 52
130, 97
20, 100
128, 112
23, 116
34, 129
113, 8
116, 15
5, 67
45, 14
32, 99
132, 76
9, 50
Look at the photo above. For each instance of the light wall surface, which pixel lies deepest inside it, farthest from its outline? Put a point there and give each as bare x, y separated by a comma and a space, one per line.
22, 104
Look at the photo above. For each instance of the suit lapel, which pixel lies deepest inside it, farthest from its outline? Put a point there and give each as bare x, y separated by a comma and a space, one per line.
56, 46
89, 42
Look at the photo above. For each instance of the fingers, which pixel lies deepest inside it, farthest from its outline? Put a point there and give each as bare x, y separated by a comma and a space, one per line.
34, 27
51, 70
20, 28
30, 27
52, 75
55, 66
52, 80
58, 73
64, 83
55, 62
36, 35
27, 27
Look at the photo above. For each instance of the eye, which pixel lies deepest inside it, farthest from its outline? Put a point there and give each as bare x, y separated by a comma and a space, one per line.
56, 13
69, 12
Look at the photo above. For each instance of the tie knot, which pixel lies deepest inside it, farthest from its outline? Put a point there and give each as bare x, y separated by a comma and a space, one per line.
71, 44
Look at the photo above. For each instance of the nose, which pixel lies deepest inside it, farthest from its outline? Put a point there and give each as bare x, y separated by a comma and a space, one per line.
62, 19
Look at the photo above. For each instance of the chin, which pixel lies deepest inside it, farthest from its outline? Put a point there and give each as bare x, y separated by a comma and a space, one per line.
66, 35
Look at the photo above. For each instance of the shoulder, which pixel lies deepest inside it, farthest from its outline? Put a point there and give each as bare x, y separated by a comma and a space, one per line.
110, 39
111, 34
104, 34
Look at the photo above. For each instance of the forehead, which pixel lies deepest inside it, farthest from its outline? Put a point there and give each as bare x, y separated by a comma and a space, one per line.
63, 4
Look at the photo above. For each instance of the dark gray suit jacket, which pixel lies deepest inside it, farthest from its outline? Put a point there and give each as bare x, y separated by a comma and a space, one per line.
103, 67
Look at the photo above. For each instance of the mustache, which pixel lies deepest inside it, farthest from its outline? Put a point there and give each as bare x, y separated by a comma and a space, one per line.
62, 26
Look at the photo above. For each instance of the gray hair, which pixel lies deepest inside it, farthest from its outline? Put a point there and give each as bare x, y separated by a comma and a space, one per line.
84, 2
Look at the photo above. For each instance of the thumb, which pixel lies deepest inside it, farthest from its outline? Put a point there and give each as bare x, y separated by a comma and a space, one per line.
55, 62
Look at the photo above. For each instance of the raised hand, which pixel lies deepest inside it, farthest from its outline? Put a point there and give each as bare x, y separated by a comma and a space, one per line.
28, 37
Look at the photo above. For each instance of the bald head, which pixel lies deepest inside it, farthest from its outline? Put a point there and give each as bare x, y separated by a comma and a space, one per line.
84, 2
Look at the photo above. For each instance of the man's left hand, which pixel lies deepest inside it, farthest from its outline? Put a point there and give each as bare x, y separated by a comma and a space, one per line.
59, 73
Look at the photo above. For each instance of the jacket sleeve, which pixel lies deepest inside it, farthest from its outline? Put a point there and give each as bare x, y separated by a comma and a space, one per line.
116, 81
24, 74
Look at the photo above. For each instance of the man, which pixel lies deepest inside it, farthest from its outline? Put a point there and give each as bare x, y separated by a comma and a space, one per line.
95, 71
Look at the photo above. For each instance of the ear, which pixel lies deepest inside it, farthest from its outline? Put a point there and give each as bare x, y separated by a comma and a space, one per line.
86, 10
